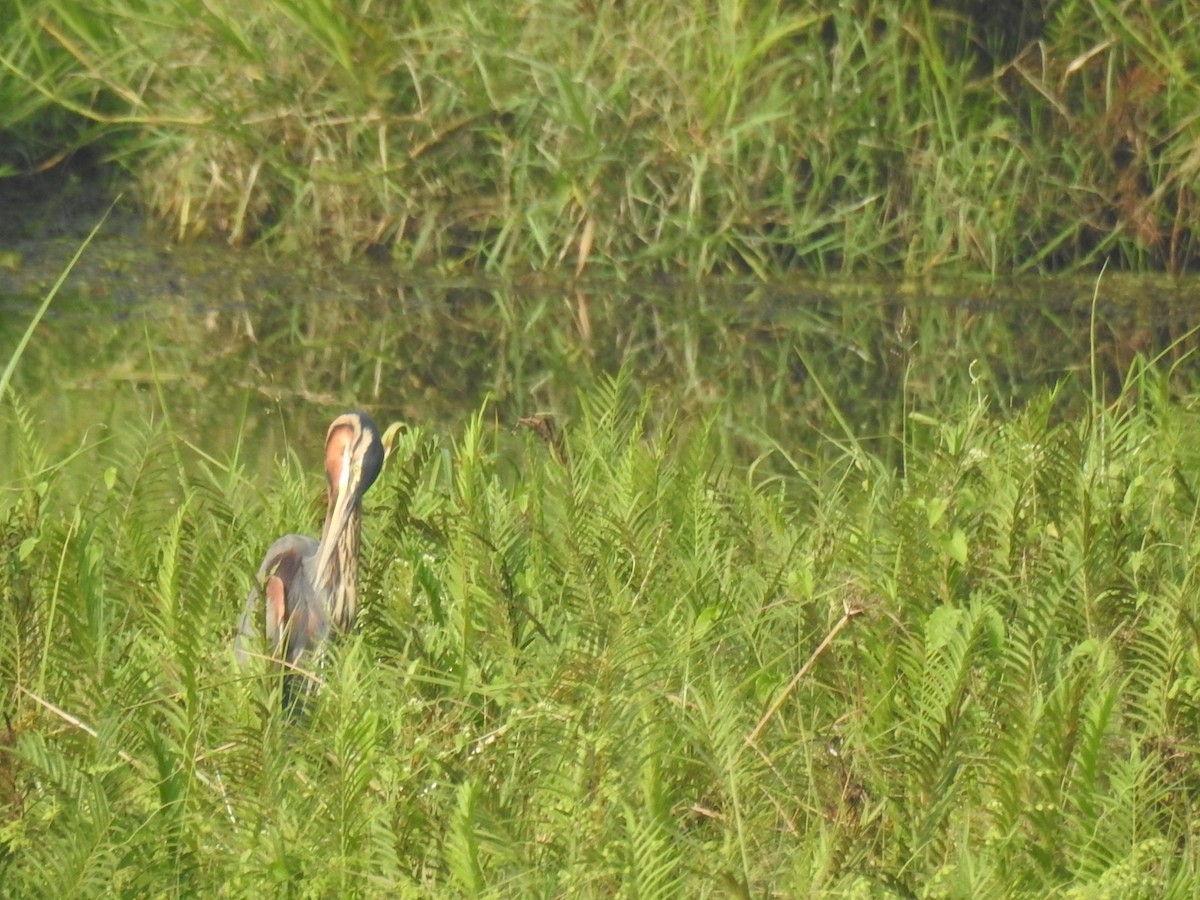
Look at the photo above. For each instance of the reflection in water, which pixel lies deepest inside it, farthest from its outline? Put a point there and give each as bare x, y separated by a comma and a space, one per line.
247, 357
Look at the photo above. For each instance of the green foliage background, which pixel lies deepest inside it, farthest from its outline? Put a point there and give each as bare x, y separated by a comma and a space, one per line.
775, 624
612, 675
698, 136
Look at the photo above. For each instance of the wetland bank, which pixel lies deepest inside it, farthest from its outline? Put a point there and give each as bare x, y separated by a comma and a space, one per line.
876, 585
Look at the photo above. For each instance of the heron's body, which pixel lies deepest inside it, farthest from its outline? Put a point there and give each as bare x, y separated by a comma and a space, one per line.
288, 578
310, 587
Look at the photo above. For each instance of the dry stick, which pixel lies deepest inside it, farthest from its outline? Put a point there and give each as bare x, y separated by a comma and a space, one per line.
132, 761
847, 615
80, 724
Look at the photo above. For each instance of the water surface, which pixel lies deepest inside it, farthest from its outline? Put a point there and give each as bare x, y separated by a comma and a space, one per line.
246, 354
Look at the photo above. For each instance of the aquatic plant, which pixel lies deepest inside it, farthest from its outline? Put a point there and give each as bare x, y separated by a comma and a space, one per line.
631, 663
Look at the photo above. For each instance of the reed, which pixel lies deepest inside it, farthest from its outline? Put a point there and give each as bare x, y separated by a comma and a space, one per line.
689, 137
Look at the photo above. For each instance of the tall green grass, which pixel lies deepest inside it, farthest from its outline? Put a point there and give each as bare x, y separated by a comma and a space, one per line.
642, 667
686, 137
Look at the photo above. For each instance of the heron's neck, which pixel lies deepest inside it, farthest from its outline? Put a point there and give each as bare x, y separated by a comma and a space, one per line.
339, 583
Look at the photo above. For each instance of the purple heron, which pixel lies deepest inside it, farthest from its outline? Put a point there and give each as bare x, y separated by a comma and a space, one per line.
310, 587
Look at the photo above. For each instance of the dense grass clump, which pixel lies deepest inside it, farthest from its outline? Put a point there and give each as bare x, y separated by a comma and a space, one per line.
701, 137
624, 663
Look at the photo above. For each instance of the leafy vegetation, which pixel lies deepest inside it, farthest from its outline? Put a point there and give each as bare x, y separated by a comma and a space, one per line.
957, 659
712, 137
830, 596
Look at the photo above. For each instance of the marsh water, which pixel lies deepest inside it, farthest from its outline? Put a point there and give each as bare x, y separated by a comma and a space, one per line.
244, 354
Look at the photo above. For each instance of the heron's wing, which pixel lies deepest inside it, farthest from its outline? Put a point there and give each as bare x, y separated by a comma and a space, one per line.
307, 618
275, 592
284, 560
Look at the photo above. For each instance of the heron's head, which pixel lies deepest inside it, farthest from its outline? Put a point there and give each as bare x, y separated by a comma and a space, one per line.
353, 455
353, 458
